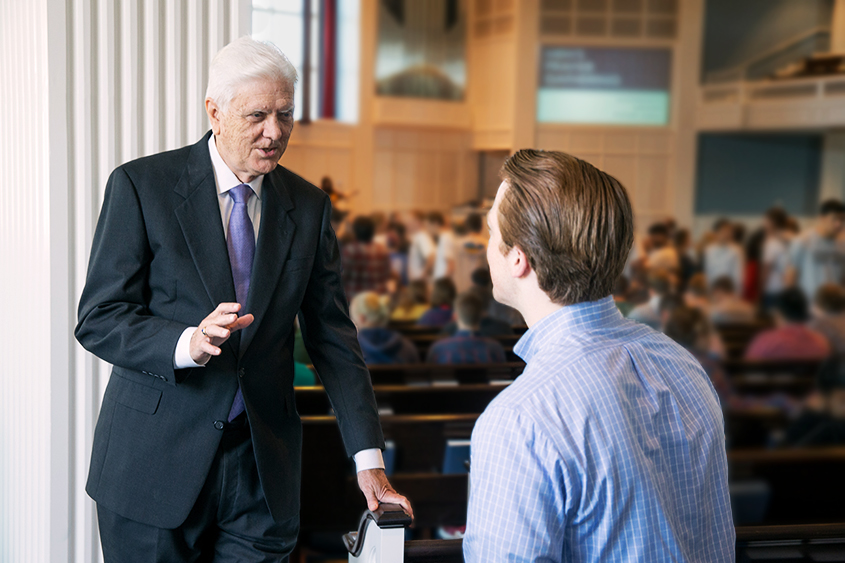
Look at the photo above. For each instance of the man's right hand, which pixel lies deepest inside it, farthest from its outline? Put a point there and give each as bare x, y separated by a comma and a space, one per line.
216, 329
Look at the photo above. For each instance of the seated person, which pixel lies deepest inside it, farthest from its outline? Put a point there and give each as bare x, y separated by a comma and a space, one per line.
488, 326
791, 339
371, 312
829, 316
413, 302
467, 346
442, 297
822, 422
726, 306
659, 287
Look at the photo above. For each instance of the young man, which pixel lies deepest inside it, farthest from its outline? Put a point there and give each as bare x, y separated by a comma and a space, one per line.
817, 256
610, 446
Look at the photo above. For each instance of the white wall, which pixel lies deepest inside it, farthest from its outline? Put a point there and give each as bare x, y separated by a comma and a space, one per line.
87, 85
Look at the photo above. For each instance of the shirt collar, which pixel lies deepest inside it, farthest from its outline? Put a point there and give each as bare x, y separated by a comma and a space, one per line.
223, 175
580, 317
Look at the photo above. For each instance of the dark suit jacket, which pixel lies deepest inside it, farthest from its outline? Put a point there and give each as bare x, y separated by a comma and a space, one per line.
158, 265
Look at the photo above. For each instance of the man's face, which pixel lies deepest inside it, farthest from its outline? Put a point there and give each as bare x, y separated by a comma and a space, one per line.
252, 133
499, 271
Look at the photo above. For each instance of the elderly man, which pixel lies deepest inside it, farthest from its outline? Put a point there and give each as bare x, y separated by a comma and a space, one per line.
201, 259
610, 446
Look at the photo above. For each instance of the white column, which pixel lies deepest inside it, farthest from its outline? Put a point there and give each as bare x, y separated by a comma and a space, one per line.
87, 85
25, 284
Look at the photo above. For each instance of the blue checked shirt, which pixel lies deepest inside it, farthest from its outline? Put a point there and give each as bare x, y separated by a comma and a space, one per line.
609, 447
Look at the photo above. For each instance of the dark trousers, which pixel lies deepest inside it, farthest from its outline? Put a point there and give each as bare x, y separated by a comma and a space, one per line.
230, 521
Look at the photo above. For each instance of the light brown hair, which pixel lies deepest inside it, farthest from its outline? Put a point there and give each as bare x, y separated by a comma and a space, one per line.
573, 222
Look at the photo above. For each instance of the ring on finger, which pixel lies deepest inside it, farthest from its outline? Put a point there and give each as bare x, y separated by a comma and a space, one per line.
204, 333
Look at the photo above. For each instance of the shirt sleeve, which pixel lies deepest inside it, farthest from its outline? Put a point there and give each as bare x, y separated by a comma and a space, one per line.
516, 506
368, 459
182, 355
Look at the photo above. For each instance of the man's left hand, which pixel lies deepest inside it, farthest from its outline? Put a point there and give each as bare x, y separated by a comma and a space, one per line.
376, 488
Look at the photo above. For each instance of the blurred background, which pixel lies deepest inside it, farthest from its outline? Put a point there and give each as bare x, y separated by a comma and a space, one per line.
724, 119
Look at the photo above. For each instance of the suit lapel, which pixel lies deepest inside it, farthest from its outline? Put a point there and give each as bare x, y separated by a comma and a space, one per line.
275, 236
199, 217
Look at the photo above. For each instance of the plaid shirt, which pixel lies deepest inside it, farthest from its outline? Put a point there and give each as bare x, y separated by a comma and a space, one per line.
609, 447
466, 348
366, 267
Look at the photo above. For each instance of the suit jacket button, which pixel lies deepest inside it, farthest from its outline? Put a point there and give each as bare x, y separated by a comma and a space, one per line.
241, 372
218, 424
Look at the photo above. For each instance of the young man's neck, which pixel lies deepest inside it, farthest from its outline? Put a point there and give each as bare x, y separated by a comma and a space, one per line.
537, 308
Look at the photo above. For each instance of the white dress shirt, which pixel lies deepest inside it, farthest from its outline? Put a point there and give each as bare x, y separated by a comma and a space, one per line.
226, 180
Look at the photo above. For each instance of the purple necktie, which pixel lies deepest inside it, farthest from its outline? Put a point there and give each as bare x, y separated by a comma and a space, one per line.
241, 244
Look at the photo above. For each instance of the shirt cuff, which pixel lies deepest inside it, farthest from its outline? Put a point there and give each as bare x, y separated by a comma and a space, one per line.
368, 459
182, 356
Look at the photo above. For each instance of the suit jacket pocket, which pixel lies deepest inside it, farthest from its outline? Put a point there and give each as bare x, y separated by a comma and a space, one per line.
132, 394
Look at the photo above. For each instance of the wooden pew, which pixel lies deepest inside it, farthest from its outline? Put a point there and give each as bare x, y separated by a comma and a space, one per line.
416, 374
805, 484
752, 377
758, 544
328, 476
406, 399
423, 342
737, 336
753, 427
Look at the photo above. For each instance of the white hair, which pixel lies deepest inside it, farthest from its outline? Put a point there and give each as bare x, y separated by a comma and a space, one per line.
243, 60
370, 309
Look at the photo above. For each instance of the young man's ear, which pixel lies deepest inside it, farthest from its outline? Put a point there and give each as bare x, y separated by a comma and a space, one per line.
518, 262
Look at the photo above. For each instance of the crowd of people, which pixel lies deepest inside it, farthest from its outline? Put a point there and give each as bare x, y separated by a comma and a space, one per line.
419, 269
406, 269
779, 273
